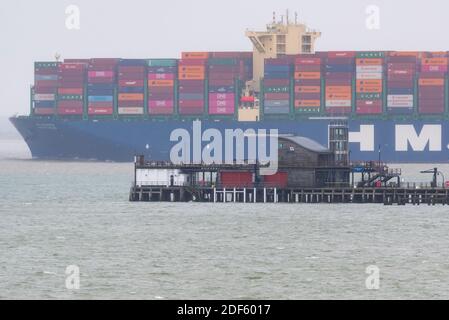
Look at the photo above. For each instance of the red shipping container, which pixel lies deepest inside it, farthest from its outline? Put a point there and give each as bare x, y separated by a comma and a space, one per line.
193, 62
307, 61
130, 83
222, 76
44, 90
46, 83
338, 110
165, 90
70, 111
308, 82
131, 104
100, 110
102, 68
101, 104
276, 82
236, 179
70, 104
104, 61
307, 68
432, 68
221, 82
340, 61
76, 91
277, 96
160, 110
191, 83
85, 61
101, 80
191, 103
132, 69
341, 54
221, 103
339, 75
161, 76
338, 82
277, 180
307, 96
216, 110
369, 106
160, 103
191, 89
44, 111
222, 96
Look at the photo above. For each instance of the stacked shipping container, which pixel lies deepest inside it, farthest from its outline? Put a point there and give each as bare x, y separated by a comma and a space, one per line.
45, 87
131, 87
307, 76
101, 78
369, 82
223, 73
276, 86
72, 77
431, 85
191, 84
401, 73
339, 78
161, 86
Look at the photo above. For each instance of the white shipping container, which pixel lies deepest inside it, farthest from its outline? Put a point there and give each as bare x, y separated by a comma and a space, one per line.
44, 97
130, 110
400, 97
160, 177
338, 103
369, 76
369, 69
399, 104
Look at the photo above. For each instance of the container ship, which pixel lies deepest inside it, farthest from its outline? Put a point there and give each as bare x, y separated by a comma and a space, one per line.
396, 104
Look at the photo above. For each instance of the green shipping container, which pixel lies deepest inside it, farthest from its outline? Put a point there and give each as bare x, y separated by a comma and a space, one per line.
45, 64
162, 62
222, 62
70, 97
370, 54
308, 110
368, 96
276, 89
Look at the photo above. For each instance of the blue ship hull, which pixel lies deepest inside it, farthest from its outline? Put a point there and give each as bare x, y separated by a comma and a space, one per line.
406, 141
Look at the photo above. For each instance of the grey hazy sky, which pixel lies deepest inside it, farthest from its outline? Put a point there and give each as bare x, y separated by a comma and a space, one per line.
35, 30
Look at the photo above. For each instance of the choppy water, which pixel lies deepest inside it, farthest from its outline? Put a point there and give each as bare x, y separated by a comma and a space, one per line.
55, 214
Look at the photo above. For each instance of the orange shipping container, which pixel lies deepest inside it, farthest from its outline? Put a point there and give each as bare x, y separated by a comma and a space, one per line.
191, 76
307, 103
307, 89
338, 89
434, 61
370, 89
338, 96
307, 75
371, 83
431, 82
405, 54
192, 69
195, 55
130, 96
369, 62
161, 83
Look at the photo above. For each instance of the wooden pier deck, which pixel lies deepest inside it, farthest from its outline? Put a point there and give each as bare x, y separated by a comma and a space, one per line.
386, 195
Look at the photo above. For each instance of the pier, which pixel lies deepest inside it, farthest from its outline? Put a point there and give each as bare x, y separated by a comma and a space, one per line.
386, 196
